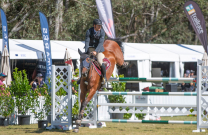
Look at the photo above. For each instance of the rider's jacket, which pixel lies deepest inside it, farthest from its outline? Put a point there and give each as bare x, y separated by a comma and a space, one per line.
94, 39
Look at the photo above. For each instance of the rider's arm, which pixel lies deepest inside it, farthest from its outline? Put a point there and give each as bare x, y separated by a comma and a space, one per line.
101, 41
87, 40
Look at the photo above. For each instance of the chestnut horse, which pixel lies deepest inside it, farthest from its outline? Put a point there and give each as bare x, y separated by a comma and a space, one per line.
115, 55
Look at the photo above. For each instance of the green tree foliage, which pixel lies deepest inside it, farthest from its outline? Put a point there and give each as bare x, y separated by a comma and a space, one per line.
140, 21
6, 102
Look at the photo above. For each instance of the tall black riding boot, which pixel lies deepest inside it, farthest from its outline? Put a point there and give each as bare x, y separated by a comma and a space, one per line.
104, 72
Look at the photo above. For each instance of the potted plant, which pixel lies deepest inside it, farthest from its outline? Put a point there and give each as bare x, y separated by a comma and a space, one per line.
118, 87
6, 106
24, 95
41, 111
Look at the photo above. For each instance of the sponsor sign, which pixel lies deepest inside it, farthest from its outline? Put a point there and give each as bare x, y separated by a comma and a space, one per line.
197, 21
5, 39
46, 43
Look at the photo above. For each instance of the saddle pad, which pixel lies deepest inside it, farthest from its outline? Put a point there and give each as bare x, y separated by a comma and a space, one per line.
107, 63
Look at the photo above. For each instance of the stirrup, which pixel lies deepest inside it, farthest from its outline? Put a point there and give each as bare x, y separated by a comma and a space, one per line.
103, 81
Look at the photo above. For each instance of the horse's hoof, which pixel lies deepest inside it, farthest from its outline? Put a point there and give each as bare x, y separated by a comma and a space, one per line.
78, 122
76, 130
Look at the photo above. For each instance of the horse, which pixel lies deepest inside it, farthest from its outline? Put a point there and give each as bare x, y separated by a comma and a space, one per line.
114, 54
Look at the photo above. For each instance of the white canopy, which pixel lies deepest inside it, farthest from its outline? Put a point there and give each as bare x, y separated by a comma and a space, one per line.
187, 53
169, 52
34, 49
155, 53
133, 53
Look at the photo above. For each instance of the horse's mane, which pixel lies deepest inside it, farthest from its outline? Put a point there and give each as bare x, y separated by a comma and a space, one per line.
117, 40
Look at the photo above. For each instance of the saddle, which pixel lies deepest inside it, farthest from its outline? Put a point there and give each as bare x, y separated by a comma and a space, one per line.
98, 68
94, 62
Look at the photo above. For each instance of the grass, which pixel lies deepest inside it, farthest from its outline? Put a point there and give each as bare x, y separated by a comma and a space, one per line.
113, 128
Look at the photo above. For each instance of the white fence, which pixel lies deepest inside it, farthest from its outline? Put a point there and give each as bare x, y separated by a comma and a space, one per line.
104, 110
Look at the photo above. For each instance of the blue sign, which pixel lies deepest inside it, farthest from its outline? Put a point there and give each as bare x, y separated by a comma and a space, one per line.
47, 46
5, 39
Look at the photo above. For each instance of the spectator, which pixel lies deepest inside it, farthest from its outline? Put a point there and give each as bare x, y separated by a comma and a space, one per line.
192, 85
192, 74
38, 82
183, 85
2, 85
188, 73
187, 85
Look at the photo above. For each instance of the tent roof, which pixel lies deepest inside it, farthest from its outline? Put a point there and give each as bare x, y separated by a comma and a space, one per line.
34, 49
133, 53
155, 53
169, 52
185, 52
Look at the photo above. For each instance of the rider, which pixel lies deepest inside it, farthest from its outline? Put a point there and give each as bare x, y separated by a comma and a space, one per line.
94, 44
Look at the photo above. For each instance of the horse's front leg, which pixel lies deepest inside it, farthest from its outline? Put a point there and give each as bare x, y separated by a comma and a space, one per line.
83, 93
82, 108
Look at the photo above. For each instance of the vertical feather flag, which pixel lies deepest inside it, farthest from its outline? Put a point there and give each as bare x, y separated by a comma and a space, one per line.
5, 38
196, 18
47, 46
106, 16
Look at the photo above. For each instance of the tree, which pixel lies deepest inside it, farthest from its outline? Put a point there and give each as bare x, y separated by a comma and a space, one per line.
143, 21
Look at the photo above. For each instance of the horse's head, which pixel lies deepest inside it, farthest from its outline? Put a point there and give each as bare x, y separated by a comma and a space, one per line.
83, 56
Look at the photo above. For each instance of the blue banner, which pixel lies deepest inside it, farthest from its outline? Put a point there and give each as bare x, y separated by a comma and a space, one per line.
47, 46
5, 39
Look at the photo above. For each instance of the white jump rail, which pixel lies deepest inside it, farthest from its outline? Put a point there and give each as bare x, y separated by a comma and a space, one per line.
201, 105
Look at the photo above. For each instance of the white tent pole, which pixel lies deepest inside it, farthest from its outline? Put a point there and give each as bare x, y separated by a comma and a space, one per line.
12, 61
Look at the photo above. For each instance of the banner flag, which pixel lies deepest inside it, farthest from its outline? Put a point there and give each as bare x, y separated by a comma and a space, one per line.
47, 46
5, 38
196, 18
106, 16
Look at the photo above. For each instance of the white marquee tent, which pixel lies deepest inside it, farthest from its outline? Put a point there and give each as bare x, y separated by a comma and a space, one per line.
33, 49
144, 54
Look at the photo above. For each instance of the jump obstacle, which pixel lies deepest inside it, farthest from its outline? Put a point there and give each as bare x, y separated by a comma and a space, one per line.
62, 107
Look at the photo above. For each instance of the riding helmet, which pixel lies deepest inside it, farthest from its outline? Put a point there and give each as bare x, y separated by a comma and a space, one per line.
97, 22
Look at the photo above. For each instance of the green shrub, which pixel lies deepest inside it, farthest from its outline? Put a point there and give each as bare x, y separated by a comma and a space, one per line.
118, 87
140, 115
6, 102
20, 88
